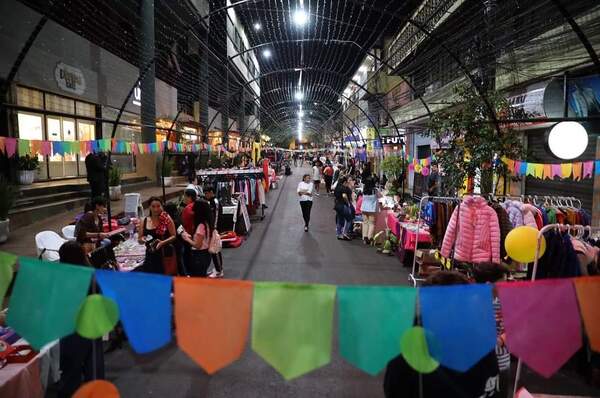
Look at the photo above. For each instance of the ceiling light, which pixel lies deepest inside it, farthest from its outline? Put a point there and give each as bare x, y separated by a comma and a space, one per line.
568, 140
299, 95
363, 68
266, 53
257, 26
300, 17
301, 113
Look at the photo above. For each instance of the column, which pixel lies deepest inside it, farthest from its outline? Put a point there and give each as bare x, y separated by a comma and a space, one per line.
148, 105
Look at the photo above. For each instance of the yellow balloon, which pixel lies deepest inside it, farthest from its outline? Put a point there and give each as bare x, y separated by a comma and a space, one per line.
521, 242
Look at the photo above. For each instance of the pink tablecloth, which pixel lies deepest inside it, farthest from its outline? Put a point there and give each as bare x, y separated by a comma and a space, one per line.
30, 379
405, 232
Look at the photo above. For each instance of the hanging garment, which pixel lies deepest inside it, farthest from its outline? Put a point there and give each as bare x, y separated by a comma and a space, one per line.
513, 208
529, 214
560, 259
474, 232
505, 226
261, 195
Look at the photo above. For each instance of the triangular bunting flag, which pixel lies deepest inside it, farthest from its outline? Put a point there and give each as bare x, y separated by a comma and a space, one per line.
144, 304
213, 335
46, 299
588, 294
292, 326
466, 328
528, 308
7, 261
369, 335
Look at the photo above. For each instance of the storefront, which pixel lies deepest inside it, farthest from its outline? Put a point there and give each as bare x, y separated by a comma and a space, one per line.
52, 117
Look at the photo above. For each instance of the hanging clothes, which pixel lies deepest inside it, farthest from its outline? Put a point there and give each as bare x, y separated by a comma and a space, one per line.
560, 259
473, 233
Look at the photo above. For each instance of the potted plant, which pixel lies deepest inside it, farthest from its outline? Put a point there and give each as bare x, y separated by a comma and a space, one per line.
8, 194
167, 170
114, 183
393, 166
27, 168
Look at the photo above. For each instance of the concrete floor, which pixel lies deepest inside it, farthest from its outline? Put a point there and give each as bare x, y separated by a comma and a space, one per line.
278, 249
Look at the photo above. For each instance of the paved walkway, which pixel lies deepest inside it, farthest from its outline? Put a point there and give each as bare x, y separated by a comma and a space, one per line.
278, 249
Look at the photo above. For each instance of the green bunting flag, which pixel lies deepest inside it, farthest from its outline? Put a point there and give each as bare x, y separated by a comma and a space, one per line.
46, 299
292, 326
371, 322
97, 316
7, 261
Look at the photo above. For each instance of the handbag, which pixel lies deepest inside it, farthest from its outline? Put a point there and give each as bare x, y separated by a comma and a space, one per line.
369, 204
169, 260
214, 244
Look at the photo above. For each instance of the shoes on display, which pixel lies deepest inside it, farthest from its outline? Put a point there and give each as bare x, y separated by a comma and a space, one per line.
215, 275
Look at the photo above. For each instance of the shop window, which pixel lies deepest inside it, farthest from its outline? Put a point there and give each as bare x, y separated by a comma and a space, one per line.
30, 98
85, 109
30, 126
60, 104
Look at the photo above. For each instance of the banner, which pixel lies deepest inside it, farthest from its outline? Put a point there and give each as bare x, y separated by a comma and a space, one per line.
577, 170
292, 324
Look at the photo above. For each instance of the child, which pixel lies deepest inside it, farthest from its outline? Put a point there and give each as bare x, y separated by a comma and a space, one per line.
492, 273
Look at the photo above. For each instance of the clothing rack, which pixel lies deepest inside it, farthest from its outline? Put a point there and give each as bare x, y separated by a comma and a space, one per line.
549, 227
413, 275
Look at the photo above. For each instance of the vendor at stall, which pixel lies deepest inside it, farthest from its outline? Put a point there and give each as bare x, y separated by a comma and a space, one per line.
88, 229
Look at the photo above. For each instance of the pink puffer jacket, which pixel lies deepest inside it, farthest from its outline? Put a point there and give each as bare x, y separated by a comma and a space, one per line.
478, 239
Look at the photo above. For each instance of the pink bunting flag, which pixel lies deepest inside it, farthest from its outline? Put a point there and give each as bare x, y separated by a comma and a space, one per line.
529, 309
556, 171
46, 148
10, 144
134, 148
588, 169
517, 168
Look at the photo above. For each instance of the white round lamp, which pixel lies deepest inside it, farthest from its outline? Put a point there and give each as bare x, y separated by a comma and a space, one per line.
568, 140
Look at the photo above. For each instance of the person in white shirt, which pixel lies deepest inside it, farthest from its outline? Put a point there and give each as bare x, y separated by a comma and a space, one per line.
316, 170
305, 192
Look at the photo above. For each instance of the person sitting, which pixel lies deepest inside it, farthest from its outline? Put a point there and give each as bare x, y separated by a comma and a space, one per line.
158, 232
88, 230
481, 380
81, 359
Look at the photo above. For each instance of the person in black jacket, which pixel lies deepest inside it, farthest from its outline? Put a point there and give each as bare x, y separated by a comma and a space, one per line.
95, 166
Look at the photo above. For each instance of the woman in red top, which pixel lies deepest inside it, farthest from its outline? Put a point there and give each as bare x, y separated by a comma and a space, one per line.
328, 176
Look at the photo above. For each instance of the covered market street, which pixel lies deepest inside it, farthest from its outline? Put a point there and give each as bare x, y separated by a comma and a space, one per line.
277, 249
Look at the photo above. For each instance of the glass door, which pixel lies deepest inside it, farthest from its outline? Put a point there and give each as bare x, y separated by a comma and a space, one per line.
86, 131
70, 159
31, 127
62, 129
55, 161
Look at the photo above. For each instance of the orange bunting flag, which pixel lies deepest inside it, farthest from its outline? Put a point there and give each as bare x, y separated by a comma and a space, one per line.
212, 320
577, 171
588, 295
548, 171
567, 169
36, 147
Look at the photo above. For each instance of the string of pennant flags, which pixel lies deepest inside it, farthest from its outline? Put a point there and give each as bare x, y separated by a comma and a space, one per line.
576, 170
17, 146
291, 325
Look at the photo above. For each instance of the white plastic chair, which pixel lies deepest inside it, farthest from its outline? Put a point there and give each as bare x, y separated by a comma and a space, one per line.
69, 232
48, 243
133, 205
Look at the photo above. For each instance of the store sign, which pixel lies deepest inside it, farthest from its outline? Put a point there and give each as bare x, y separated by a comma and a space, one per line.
529, 99
391, 140
69, 78
137, 96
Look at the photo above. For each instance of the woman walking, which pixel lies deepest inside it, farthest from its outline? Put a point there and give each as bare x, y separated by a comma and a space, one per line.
305, 192
316, 170
343, 209
158, 232
199, 241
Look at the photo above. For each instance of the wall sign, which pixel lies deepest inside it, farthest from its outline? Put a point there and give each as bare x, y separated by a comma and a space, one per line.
137, 96
392, 140
69, 78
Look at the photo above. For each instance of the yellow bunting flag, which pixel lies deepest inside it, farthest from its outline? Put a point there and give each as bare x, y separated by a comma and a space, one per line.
566, 169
